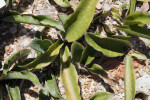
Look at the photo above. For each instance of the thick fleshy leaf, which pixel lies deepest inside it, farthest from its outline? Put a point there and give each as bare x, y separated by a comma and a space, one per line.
22, 75
51, 86
46, 58
31, 19
88, 55
121, 37
68, 76
80, 20
129, 79
131, 7
40, 45
76, 50
108, 46
14, 92
63, 18
137, 18
43, 95
135, 30
12, 59
95, 68
139, 55
63, 3
101, 96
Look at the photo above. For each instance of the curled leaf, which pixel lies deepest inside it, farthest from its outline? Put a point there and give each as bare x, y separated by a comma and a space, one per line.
23, 75
46, 58
95, 68
139, 55
121, 37
137, 18
135, 30
108, 46
12, 59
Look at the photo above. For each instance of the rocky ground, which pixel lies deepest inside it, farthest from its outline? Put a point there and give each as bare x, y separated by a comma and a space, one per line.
15, 37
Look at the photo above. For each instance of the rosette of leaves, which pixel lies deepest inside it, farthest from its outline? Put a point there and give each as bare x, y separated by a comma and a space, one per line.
73, 29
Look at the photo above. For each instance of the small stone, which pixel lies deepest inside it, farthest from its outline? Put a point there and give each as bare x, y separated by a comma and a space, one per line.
87, 90
143, 84
101, 1
121, 83
98, 6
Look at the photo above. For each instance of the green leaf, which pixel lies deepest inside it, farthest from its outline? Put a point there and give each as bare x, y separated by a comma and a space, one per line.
137, 18
139, 55
76, 50
18, 67
12, 59
129, 79
88, 55
9, 2
51, 86
95, 68
63, 18
46, 58
107, 30
117, 17
135, 30
131, 7
63, 3
115, 11
23, 75
121, 37
39, 32
79, 21
108, 46
14, 92
68, 76
31, 19
40, 45
101, 96
43, 95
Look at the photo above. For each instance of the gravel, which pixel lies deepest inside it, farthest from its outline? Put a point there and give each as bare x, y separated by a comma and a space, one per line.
23, 34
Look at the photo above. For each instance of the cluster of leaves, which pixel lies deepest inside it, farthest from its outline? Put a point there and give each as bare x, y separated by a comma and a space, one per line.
74, 27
